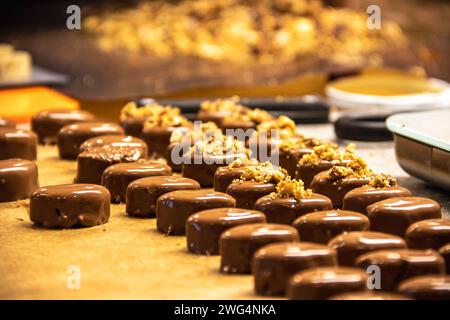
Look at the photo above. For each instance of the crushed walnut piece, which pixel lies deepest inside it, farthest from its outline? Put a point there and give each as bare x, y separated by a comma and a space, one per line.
243, 161
219, 105
218, 144
264, 173
291, 188
357, 167
167, 117
284, 127
132, 111
326, 152
197, 132
383, 180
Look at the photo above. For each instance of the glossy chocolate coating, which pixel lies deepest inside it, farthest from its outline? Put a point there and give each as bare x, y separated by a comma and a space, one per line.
322, 226
204, 228
369, 295
158, 140
398, 265
47, 123
18, 179
141, 194
133, 127
203, 170
70, 205
307, 172
224, 176
428, 234
445, 253
247, 193
274, 264
286, 210
289, 159
395, 215
117, 177
336, 190
72, 136
324, 282
429, 287
238, 244
6, 123
17, 143
360, 198
92, 162
174, 208
353, 244
115, 141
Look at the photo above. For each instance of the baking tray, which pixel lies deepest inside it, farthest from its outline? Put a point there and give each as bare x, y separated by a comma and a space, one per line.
39, 76
422, 144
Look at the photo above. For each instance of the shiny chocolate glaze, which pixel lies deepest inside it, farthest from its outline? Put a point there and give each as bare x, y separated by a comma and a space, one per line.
247, 193
72, 136
115, 141
353, 244
324, 282
360, 198
289, 159
274, 264
445, 253
141, 194
429, 287
204, 228
369, 295
6, 123
70, 205
428, 234
336, 189
395, 215
322, 226
203, 169
174, 208
18, 179
286, 210
92, 162
306, 172
132, 127
47, 123
117, 177
17, 143
224, 176
401, 264
158, 140
238, 244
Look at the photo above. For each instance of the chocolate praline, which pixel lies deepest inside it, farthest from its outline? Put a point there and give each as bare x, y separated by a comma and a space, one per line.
158, 139
429, 287
324, 282
398, 265
174, 208
369, 295
306, 172
247, 193
71, 136
204, 228
141, 194
47, 123
322, 226
115, 141
117, 177
6, 123
428, 234
70, 205
395, 215
336, 189
133, 126
17, 143
288, 159
92, 162
286, 210
224, 176
445, 253
350, 245
274, 264
238, 244
18, 179
214, 116
360, 198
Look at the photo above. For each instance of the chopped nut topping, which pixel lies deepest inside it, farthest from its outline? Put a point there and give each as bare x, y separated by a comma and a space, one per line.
383, 180
264, 173
229, 104
132, 111
357, 167
291, 188
187, 134
243, 161
218, 144
167, 116
284, 127
325, 152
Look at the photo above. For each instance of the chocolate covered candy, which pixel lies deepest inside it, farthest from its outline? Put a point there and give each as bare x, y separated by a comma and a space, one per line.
6, 123
174, 208
224, 176
70, 205
288, 159
117, 177
141, 194
238, 244
18, 179
247, 193
47, 123
353, 244
369, 295
428, 234
71, 136
204, 228
17, 143
158, 140
445, 253
398, 265
360, 198
395, 215
92, 162
115, 141
322, 226
307, 171
324, 282
275, 263
429, 287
